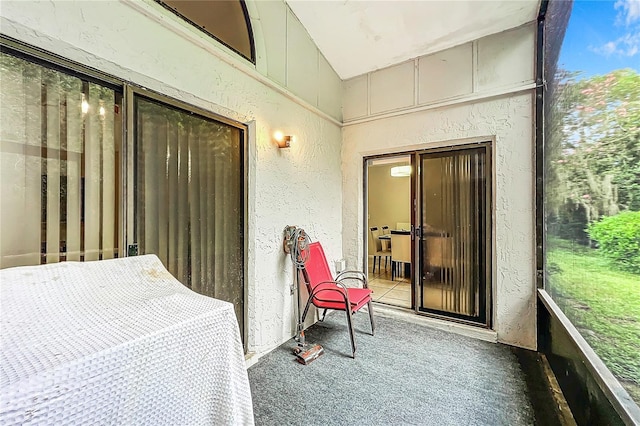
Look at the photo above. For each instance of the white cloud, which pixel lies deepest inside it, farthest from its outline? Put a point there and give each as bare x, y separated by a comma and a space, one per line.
630, 10
607, 49
627, 45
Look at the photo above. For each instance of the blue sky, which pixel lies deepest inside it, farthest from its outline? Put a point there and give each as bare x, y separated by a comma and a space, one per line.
603, 35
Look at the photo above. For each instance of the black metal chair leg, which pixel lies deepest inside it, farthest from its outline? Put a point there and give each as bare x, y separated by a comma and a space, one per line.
351, 336
373, 325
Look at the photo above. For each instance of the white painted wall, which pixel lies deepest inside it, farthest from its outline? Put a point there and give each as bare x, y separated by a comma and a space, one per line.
483, 68
482, 91
292, 58
139, 42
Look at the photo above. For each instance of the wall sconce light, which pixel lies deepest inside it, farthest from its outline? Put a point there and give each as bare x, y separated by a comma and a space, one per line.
283, 141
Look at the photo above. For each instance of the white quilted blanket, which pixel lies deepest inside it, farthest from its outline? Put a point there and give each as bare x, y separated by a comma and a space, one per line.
117, 342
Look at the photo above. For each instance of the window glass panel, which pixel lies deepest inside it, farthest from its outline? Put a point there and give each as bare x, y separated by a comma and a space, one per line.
59, 156
189, 199
592, 179
227, 21
453, 233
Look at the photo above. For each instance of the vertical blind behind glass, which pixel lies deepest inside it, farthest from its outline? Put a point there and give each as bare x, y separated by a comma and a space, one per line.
59, 160
189, 199
453, 232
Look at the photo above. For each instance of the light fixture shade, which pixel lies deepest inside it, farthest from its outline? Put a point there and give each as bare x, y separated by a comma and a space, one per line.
283, 141
401, 171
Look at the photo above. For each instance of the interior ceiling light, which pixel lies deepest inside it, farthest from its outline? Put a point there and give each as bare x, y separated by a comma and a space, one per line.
401, 171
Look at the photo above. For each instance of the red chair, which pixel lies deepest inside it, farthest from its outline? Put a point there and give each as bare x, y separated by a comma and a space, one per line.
327, 293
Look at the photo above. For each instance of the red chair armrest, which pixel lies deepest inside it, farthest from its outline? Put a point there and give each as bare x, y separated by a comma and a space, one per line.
331, 286
353, 275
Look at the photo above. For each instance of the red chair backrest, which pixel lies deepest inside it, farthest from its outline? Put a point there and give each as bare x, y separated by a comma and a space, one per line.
316, 269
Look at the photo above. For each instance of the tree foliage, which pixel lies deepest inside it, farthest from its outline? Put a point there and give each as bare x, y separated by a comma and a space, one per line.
619, 239
593, 149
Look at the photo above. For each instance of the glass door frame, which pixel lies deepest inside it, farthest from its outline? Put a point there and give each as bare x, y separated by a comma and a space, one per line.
365, 211
488, 238
68, 67
415, 155
129, 176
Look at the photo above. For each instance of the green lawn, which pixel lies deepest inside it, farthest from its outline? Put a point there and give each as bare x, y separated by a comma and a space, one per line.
603, 303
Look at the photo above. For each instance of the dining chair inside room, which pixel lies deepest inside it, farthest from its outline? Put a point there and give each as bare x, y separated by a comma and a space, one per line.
386, 244
379, 250
400, 252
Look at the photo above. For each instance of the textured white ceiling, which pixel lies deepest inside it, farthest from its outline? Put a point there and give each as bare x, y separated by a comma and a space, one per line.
358, 36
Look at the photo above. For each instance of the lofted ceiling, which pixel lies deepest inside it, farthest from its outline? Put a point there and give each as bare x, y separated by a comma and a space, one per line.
359, 36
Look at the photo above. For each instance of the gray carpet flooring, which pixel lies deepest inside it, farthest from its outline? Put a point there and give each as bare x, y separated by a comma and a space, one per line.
407, 374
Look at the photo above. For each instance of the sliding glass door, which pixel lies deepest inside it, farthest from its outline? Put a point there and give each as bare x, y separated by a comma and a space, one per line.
439, 202
60, 138
72, 190
189, 197
453, 233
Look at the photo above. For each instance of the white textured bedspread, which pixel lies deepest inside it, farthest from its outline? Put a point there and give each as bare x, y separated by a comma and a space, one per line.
117, 342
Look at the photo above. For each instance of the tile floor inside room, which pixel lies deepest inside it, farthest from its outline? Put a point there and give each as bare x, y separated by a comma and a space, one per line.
396, 292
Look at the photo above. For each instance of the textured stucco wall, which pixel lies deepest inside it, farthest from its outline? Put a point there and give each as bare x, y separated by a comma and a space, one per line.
508, 122
301, 185
481, 91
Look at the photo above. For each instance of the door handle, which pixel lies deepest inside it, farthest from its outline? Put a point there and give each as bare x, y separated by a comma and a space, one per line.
417, 232
132, 250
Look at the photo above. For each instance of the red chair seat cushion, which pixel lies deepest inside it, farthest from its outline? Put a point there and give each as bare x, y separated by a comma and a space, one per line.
332, 299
